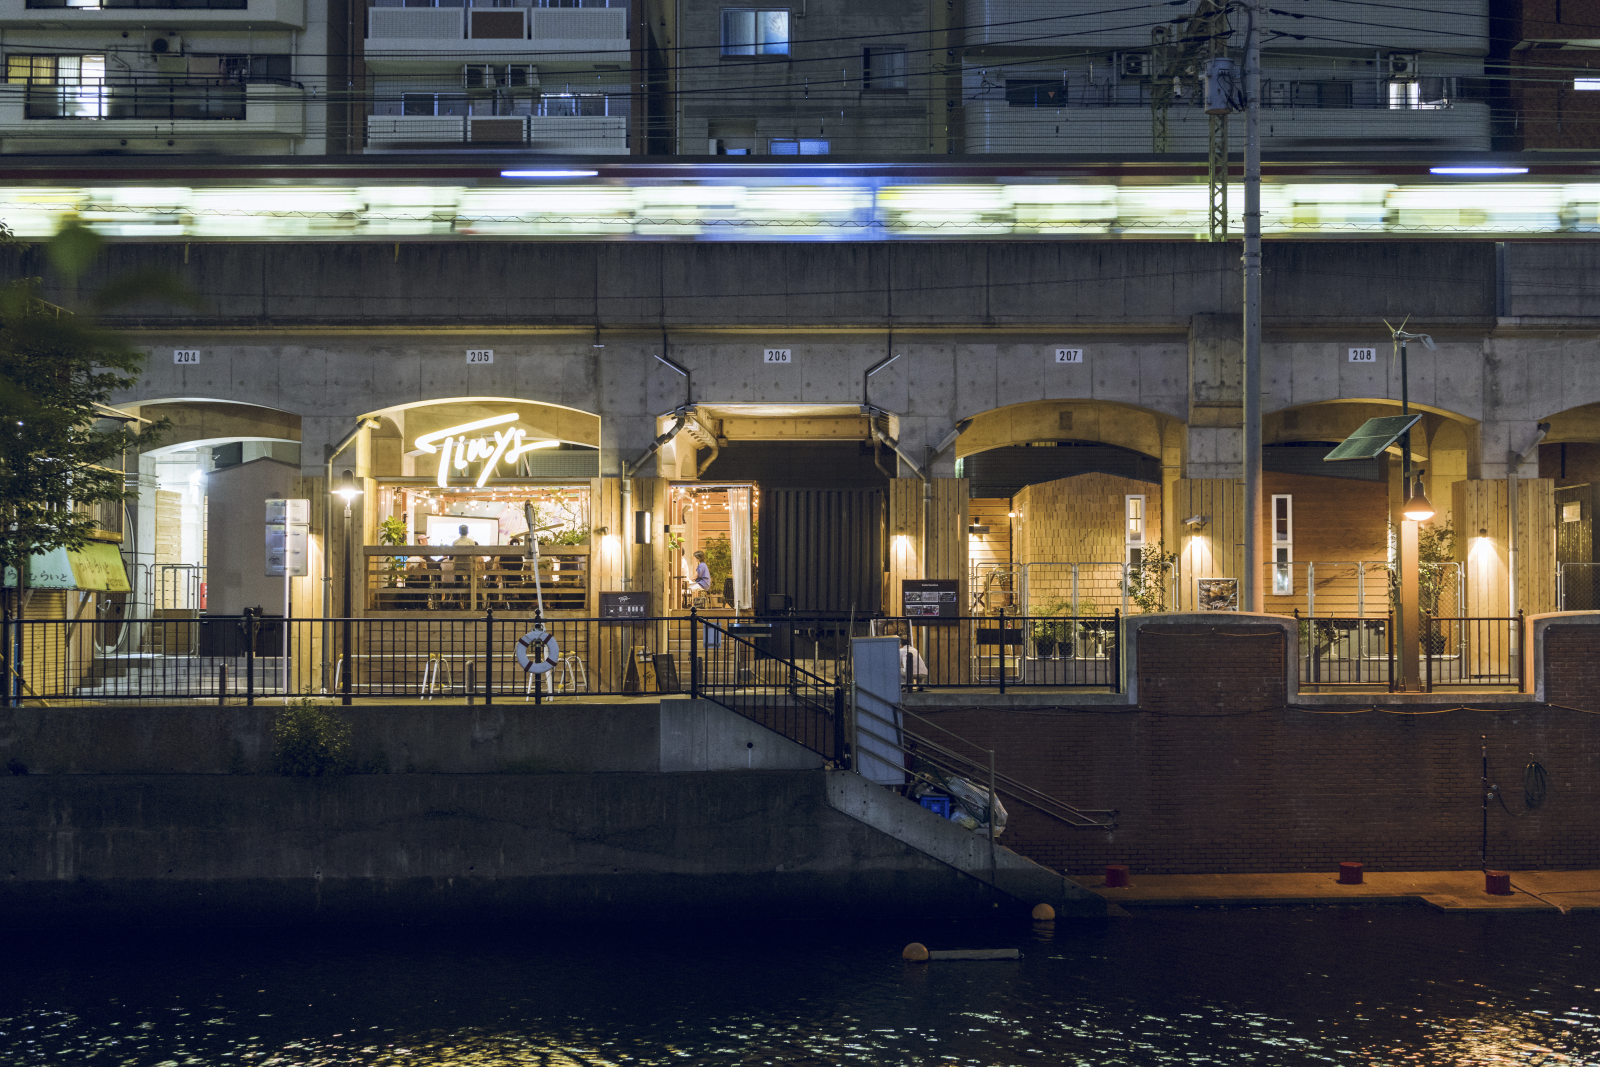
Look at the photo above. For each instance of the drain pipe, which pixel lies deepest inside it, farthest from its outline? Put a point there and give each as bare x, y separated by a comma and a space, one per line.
655, 446
886, 439
1517, 459
706, 439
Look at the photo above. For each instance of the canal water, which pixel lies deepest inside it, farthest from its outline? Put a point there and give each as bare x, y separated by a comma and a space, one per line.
1293, 986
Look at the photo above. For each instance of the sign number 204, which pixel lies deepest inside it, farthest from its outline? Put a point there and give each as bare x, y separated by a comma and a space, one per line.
186, 356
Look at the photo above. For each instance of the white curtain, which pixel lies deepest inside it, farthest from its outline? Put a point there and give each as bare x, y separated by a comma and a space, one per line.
739, 542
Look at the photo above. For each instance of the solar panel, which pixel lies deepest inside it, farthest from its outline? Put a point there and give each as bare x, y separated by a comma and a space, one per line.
1372, 438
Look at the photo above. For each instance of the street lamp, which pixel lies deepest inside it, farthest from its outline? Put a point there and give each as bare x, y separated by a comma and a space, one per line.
1416, 509
349, 490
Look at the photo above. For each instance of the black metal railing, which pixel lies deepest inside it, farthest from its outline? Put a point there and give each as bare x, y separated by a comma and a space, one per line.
1338, 652
728, 667
1471, 652
164, 5
783, 664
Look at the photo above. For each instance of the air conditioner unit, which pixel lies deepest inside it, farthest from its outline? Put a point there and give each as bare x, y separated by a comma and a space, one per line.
170, 45
1133, 64
478, 76
521, 76
1402, 64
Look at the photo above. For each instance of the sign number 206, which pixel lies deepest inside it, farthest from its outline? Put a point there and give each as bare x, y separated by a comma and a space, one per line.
776, 355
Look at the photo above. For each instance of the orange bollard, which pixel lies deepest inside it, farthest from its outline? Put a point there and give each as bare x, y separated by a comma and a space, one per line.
1116, 876
1497, 883
1350, 873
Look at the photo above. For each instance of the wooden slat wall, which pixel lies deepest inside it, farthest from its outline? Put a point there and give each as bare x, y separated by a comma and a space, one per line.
1216, 550
946, 557
906, 539
1536, 545
169, 526
605, 574
994, 546
1485, 505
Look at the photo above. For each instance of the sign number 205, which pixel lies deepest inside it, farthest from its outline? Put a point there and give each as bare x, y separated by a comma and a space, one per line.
480, 355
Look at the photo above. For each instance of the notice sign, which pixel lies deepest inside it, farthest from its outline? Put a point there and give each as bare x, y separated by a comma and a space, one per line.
622, 606
925, 599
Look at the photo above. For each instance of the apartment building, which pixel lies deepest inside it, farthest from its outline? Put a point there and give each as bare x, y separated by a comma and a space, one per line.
503, 74
1070, 76
241, 77
822, 77
1554, 75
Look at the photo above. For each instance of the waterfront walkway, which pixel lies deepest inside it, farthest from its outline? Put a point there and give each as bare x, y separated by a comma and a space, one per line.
1445, 890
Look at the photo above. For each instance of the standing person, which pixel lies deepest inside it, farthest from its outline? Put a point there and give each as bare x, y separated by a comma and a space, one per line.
453, 563
913, 671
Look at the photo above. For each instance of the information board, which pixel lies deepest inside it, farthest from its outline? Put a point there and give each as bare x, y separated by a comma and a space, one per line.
624, 606
927, 599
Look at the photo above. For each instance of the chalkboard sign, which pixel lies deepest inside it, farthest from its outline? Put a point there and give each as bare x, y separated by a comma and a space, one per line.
666, 673
930, 599
624, 606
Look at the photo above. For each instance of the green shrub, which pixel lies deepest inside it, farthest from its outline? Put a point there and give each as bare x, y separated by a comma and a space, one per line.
310, 740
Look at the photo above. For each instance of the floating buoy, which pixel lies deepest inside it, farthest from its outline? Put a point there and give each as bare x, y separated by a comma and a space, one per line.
916, 952
1043, 913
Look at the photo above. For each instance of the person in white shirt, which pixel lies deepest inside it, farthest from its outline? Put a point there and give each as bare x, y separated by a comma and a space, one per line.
913, 671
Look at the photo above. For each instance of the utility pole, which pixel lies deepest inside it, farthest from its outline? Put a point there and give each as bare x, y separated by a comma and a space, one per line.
1251, 590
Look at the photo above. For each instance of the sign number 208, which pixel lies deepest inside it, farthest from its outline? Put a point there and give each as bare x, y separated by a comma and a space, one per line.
1363, 355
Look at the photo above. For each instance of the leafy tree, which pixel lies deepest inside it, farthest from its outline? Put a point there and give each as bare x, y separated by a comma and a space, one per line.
57, 369
1147, 584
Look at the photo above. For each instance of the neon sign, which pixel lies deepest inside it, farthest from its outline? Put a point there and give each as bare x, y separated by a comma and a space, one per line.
456, 449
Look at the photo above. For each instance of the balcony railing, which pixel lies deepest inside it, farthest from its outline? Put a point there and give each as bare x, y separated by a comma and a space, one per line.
192, 98
493, 577
162, 5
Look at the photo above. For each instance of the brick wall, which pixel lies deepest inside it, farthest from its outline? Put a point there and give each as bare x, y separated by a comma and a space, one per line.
1212, 773
1572, 666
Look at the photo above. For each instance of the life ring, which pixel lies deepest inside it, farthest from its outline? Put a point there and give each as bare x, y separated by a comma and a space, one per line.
537, 651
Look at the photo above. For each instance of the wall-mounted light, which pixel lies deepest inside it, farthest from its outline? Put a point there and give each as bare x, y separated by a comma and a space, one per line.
1197, 522
602, 530
975, 528
641, 527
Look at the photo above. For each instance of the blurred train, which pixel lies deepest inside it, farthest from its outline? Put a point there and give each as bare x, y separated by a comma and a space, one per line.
530, 197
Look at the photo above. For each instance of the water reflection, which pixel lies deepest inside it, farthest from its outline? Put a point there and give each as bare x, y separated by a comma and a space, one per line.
1382, 987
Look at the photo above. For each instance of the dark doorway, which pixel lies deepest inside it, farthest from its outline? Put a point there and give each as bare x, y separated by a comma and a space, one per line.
822, 549
1575, 546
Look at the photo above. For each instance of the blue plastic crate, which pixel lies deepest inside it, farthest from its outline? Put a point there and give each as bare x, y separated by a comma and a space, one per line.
940, 806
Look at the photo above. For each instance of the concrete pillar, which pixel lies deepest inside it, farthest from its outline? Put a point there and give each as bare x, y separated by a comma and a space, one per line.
1216, 411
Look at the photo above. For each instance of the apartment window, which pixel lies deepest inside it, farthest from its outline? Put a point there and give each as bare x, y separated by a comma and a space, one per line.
60, 87
1586, 84
748, 31
1029, 93
883, 67
800, 147
1134, 529
445, 105
167, 5
1283, 545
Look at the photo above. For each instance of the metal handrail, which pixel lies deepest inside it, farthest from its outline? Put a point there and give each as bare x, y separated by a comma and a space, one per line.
1005, 784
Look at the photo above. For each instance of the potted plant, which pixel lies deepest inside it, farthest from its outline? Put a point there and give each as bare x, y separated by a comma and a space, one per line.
392, 531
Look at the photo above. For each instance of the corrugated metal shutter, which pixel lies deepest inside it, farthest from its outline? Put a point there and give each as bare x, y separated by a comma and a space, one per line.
824, 548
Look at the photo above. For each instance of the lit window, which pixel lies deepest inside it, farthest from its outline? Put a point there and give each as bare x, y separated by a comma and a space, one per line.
1405, 94
67, 87
883, 67
1589, 84
1283, 545
1133, 535
754, 32
802, 147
